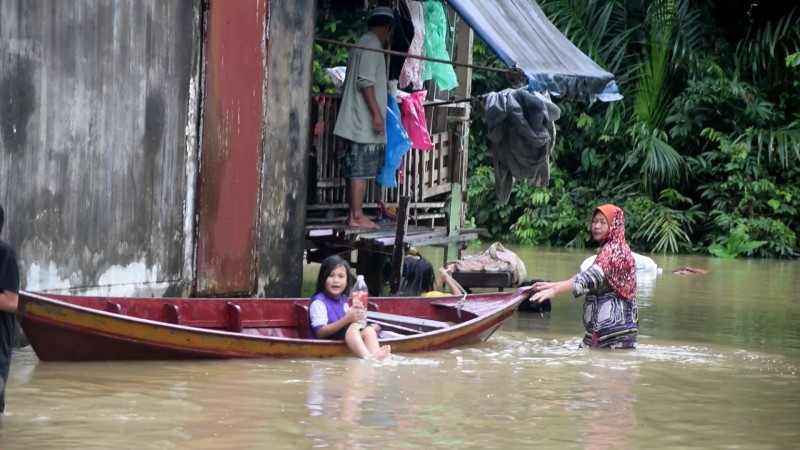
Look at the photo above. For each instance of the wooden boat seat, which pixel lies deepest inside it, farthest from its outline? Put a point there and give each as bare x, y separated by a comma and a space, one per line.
115, 308
303, 321
172, 314
499, 280
393, 327
408, 321
235, 323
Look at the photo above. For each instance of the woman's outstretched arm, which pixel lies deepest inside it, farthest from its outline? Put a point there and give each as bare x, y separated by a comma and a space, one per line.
546, 289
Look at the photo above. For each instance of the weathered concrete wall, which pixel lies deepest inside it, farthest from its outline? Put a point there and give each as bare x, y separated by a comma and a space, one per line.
96, 110
290, 44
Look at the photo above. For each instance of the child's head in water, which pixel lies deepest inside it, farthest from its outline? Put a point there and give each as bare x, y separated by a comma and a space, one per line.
334, 277
419, 278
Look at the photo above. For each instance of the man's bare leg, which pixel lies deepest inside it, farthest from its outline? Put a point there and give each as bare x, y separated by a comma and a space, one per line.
356, 218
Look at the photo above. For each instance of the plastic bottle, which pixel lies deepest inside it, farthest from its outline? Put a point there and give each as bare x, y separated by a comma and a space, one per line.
360, 293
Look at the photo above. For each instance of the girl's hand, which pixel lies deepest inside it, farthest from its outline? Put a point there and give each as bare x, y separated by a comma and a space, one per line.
542, 285
444, 272
355, 314
543, 295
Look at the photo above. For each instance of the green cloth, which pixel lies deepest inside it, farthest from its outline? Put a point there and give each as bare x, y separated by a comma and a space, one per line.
436, 47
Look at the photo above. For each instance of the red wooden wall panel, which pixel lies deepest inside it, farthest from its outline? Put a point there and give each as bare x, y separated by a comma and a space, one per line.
228, 185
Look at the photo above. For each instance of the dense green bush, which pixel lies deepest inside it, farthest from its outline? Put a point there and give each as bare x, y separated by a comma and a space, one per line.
703, 151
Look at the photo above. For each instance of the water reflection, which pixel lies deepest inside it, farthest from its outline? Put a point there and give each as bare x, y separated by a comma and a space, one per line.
609, 401
352, 403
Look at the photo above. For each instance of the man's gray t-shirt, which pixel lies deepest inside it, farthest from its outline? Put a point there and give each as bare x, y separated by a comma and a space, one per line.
364, 68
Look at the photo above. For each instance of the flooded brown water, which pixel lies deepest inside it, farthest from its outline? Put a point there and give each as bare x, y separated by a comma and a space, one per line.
717, 367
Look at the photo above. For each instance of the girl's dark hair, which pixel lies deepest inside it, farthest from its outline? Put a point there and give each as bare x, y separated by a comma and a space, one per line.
418, 280
328, 265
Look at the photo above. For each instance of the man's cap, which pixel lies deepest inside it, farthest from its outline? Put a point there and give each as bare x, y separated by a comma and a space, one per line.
382, 11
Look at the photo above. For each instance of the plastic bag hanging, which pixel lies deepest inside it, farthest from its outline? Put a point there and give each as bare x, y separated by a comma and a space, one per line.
414, 120
436, 47
397, 144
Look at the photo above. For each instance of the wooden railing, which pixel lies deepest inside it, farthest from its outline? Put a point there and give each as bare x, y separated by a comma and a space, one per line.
424, 175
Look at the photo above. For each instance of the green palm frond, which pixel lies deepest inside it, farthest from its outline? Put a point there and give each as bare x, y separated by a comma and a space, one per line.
601, 29
692, 34
661, 164
650, 105
783, 142
769, 44
666, 228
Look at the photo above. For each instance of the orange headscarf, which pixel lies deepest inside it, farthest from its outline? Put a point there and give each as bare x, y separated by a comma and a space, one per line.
615, 256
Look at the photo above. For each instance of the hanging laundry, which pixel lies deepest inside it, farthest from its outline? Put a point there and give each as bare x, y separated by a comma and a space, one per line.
402, 38
397, 144
413, 68
414, 120
436, 47
521, 127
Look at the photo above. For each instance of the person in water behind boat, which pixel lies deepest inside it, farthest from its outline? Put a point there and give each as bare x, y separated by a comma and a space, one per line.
610, 312
420, 280
331, 316
9, 290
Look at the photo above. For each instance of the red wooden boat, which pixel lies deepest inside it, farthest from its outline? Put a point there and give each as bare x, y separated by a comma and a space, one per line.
83, 328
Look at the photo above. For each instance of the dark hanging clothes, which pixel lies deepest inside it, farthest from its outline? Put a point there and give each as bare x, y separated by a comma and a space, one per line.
401, 39
521, 126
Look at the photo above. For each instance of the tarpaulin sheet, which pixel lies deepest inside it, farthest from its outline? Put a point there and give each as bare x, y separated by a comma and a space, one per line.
520, 34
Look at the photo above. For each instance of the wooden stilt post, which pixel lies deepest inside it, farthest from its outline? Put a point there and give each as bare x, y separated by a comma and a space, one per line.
370, 264
398, 255
458, 163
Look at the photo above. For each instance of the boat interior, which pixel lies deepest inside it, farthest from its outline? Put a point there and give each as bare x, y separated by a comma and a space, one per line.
288, 318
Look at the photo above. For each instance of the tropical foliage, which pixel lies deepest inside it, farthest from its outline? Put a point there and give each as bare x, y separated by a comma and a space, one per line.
703, 151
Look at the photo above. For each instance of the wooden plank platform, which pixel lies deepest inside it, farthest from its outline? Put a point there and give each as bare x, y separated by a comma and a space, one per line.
382, 240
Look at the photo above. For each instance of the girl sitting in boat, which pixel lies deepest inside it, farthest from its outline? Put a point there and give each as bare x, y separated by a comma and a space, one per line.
332, 317
610, 313
419, 280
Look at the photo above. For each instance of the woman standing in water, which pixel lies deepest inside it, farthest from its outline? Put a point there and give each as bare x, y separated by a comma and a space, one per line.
610, 313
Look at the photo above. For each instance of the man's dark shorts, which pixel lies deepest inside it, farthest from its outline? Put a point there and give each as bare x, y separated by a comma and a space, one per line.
363, 161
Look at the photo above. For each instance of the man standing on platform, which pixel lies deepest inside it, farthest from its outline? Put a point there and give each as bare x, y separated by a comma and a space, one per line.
9, 289
362, 115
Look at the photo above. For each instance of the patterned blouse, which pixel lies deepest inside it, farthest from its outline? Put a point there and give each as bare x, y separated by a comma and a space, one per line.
610, 321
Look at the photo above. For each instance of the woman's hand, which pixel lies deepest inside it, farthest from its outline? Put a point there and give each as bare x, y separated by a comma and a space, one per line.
544, 294
444, 272
542, 285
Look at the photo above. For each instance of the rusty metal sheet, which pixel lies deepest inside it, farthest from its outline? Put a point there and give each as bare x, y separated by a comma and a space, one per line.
228, 186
